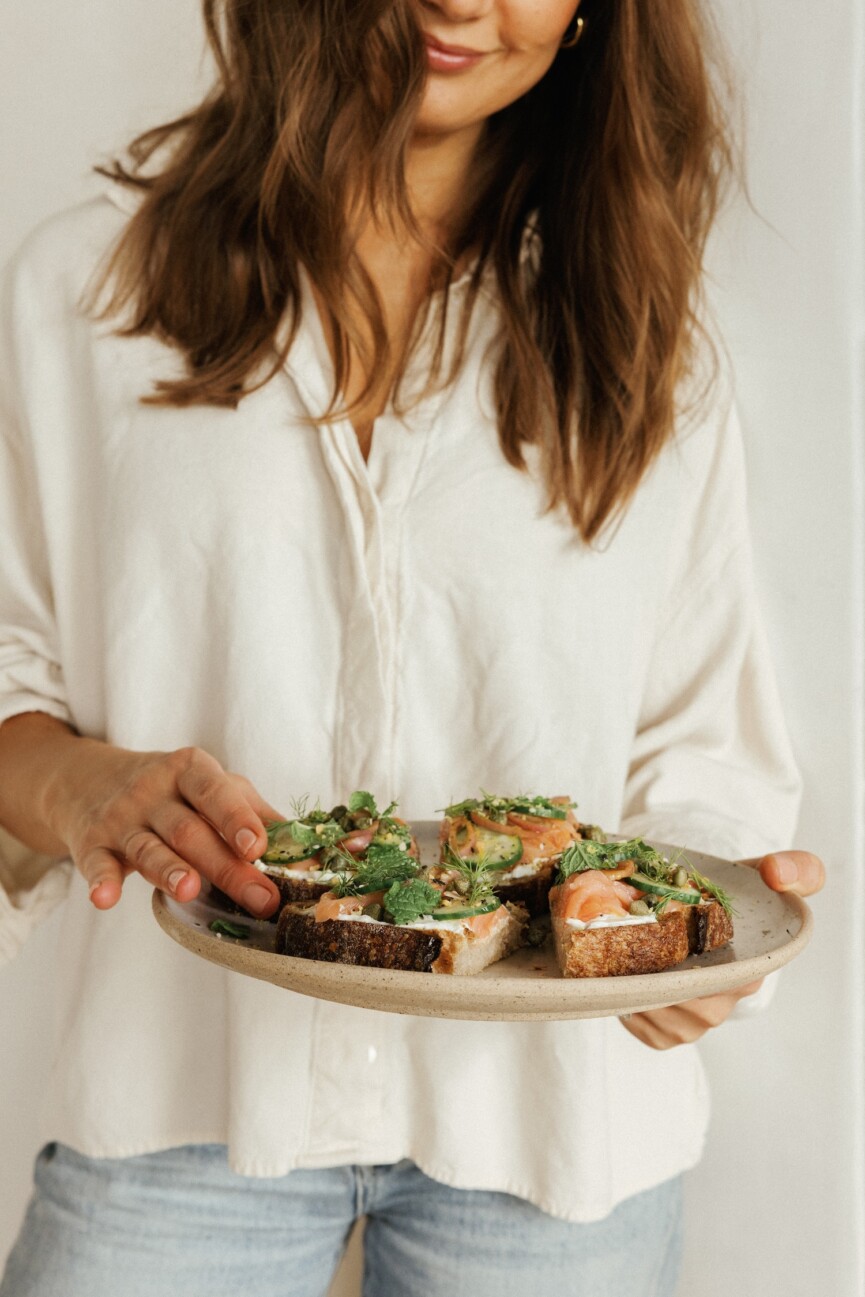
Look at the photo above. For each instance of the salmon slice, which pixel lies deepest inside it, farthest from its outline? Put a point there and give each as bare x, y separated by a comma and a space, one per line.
481, 925
333, 907
590, 894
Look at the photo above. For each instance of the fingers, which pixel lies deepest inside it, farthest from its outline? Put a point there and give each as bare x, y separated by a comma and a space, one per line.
104, 875
791, 871
206, 786
266, 813
172, 817
683, 1024
196, 842
146, 852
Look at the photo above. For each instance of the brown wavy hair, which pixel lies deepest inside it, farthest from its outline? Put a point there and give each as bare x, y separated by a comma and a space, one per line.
616, 159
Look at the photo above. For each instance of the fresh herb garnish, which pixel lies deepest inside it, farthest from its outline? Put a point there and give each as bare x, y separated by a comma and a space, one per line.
409, 900
474, 883
498, 808
362, 801
706, 885
223, 928
321, 834
375, 871
585, 855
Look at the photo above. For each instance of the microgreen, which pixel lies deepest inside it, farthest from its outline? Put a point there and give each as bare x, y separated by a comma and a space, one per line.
498, 808
410, 899
223, 928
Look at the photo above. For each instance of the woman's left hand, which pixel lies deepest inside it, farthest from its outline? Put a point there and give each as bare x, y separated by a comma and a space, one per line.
682, 1024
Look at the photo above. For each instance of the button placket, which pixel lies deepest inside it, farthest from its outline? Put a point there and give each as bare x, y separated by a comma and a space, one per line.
365, 703
403, 451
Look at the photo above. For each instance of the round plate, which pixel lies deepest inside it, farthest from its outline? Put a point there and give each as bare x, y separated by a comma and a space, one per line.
771, 928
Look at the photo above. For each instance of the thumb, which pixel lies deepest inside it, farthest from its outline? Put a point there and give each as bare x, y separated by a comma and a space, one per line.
104, 875
791, 871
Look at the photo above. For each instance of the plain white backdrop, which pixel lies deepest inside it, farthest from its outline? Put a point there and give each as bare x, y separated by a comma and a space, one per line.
778, 1205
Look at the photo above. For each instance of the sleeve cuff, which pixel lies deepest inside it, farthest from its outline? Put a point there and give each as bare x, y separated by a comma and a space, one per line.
22, 911
752, 1005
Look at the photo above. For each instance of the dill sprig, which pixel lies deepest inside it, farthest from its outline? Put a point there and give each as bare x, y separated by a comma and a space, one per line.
717, 893
376, 870
474, 872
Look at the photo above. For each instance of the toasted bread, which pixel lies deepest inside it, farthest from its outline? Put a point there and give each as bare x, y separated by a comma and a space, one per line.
531, 891
413, 947
631, 949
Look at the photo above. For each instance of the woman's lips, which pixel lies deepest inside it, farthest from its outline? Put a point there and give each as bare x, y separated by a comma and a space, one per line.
451, 58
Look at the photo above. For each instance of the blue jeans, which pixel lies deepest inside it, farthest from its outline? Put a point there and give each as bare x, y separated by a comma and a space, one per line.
179, 1222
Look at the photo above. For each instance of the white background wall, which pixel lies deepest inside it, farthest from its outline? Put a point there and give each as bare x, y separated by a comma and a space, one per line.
777, 1205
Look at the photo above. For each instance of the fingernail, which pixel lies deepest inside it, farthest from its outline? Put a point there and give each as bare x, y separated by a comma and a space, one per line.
95, 886
175, 879
257, 898
786, 870
245, 840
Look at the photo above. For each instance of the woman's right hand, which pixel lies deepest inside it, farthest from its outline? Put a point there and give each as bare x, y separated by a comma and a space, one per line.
173, 817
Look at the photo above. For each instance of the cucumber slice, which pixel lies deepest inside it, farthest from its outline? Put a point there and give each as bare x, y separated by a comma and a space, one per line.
288, 853
500, 850
540, 812
466, 911
644, 884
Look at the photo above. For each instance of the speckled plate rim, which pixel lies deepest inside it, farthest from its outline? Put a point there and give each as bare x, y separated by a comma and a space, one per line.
525, 987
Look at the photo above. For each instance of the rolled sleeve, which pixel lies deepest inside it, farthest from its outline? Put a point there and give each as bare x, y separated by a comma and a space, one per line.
31, 886
31, 677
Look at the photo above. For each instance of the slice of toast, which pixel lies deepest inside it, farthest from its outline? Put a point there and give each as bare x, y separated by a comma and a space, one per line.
631, 949
409, 947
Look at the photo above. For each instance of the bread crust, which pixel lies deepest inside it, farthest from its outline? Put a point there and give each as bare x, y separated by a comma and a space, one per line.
645, 948
381, 945
533, 891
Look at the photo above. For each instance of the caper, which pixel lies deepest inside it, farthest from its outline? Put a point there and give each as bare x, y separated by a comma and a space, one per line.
639, 907
681, 877
372, 911
338, 812
462, 885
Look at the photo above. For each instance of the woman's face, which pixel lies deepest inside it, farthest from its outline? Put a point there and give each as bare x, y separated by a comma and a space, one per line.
507, 46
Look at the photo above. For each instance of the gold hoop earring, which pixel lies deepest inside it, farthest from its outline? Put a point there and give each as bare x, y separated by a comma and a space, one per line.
570, 41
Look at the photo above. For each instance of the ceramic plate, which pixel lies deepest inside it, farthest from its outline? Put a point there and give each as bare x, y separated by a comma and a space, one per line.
771, 928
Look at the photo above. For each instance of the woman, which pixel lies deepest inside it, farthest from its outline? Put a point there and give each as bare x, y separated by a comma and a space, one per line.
403, 471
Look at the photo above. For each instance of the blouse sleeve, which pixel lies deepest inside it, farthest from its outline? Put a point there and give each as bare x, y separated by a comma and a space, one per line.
31, 678
711, 761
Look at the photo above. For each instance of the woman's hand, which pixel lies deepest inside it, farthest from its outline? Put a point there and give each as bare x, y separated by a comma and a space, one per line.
173, 817
682, 1024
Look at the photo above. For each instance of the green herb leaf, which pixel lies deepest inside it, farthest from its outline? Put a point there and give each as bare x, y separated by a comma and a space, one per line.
497, 808
376, 870
585, 855
407, 901
361, 801
717, 893
223, 928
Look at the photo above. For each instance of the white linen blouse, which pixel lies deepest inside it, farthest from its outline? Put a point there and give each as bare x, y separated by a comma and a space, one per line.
418, 626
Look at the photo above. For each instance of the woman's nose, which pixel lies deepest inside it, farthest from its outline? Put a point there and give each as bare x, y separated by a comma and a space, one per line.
459, 11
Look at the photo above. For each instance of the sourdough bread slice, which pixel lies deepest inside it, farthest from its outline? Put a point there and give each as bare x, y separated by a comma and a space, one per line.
409, 947
632, 949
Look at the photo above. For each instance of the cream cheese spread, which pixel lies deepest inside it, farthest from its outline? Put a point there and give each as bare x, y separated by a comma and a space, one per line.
612, 921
